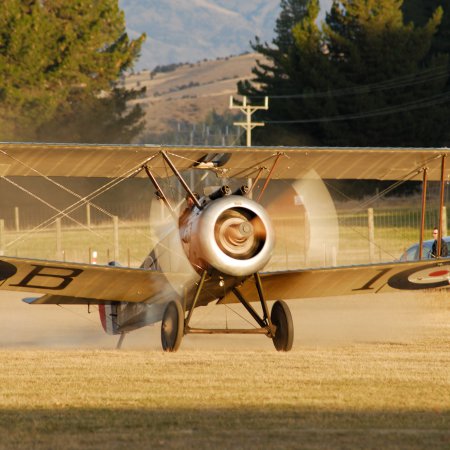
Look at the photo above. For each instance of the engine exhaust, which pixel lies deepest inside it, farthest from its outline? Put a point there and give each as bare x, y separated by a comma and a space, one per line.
243, 190
221, 192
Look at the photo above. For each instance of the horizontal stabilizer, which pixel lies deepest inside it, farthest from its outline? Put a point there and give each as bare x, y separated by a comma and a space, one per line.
63, 300
31, 300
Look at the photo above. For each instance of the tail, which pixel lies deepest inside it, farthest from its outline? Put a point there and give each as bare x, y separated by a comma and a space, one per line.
109, 317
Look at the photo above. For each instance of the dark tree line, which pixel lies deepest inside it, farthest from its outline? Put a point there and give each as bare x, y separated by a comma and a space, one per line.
60, 62
375, 73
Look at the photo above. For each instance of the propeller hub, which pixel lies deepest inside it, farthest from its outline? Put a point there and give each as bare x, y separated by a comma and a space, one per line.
235, 234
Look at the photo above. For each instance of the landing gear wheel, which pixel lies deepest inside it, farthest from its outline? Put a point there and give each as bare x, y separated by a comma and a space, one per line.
172, 327
284, 335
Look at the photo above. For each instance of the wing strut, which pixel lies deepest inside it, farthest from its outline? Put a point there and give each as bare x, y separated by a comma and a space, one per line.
441, 205
159, 190
424, 202
441, 208
181, 179
279, 155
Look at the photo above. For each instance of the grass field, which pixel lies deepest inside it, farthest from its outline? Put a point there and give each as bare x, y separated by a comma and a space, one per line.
364, 373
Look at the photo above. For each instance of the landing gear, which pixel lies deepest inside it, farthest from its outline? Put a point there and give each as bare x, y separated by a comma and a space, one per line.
282, 319
120, 342
172, 327
278, 326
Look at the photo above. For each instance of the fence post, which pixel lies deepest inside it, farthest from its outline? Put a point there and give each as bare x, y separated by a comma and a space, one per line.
16, 218
371, 226
88, 215
58, 239
2, 237
116, 238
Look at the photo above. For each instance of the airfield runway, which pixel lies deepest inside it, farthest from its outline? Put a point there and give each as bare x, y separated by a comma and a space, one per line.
365, 372
342, 320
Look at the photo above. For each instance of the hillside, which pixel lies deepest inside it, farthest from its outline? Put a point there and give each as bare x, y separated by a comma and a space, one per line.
191, 30
189, 92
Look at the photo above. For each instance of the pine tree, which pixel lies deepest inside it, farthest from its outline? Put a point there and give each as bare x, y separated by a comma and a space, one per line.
277, 72
363, 78
369, 46
420, 11
60, 59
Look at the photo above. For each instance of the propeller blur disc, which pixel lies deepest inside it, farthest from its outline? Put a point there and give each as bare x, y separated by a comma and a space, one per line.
167, 250
305, 222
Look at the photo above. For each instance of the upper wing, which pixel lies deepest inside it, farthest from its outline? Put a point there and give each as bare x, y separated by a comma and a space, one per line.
330, 282
82, 283
26, 159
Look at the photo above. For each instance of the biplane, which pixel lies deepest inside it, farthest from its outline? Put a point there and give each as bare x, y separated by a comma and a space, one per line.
223, 240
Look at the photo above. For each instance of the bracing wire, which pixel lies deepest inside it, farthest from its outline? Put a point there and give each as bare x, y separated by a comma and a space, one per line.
409, 106
426, 75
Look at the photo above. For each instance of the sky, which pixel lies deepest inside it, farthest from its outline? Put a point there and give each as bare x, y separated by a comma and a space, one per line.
165, 24
324, 6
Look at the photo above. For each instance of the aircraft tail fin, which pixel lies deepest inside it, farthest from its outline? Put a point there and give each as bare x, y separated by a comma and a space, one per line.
108, 317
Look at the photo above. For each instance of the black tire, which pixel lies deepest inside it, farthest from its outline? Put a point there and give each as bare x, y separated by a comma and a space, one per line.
284, 335
172, 327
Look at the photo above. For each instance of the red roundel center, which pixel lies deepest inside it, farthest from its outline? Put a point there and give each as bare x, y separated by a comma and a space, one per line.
438, 273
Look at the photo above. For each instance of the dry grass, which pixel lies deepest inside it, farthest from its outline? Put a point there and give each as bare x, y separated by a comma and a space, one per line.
190, 92
360, 390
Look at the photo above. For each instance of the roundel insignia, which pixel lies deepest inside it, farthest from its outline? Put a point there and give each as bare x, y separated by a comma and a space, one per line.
424, 277
6, 270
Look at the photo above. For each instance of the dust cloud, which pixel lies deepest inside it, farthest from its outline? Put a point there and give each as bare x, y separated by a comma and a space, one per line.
383, 318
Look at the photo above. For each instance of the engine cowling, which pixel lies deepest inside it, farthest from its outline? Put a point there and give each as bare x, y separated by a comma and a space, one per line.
232, 234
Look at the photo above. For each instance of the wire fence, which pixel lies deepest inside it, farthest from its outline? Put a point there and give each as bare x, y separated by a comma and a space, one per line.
393, 230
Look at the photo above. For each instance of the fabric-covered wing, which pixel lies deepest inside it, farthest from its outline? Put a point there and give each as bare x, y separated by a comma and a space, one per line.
82, 283
113, 161
369, 279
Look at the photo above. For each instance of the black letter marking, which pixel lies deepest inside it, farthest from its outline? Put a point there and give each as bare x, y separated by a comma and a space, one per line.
367, 286
6, 270
37, 272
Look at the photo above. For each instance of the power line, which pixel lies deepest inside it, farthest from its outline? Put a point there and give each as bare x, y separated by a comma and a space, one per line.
428, 75
423, 103
249, 110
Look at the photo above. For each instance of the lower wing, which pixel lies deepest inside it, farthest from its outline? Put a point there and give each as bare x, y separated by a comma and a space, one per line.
367, 279
82, 283
73, 283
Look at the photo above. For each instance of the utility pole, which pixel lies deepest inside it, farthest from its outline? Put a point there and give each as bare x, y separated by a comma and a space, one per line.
248, 110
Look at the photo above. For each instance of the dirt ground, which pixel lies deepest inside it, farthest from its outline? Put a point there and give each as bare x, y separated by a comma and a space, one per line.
317, 322
365, 372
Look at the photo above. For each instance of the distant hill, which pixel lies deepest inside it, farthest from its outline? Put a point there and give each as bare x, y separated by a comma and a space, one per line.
191, 30
201, 34
190, 91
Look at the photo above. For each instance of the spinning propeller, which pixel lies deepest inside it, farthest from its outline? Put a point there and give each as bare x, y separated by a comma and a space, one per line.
236, 236
167, 253
305, 222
